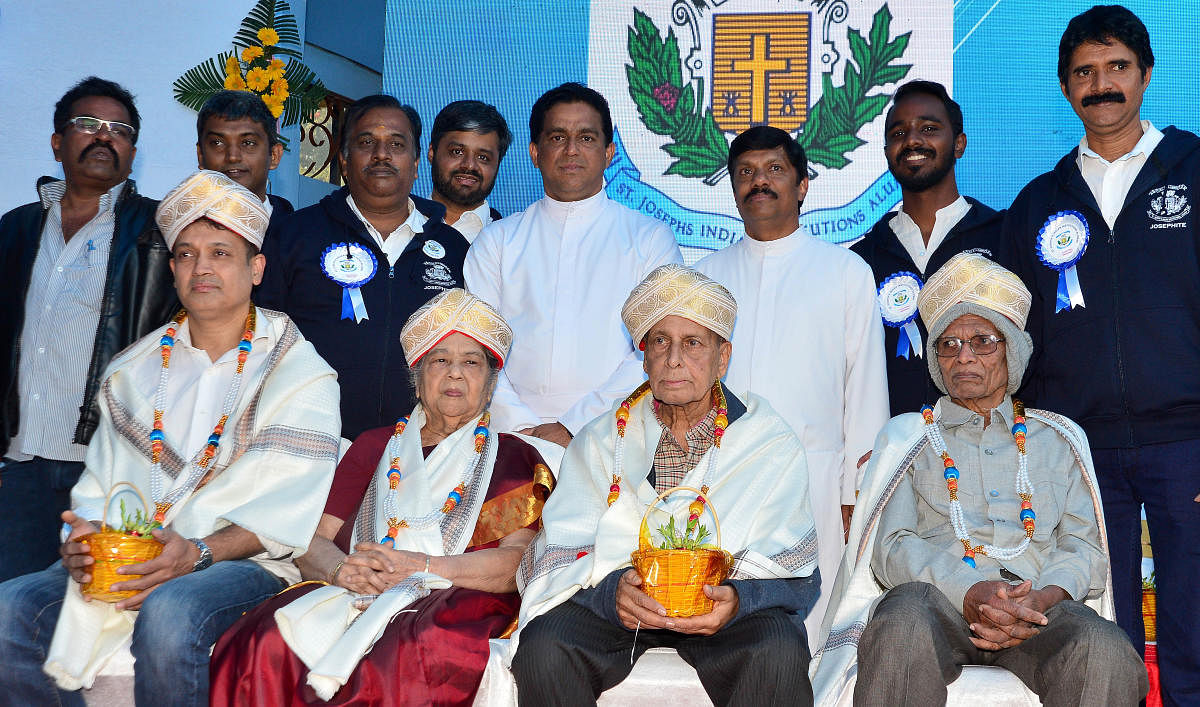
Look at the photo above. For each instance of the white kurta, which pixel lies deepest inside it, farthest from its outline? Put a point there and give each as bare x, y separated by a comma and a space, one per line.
809, 339
559, 273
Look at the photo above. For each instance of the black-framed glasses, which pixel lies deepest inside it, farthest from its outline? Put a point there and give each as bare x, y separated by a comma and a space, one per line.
88, 125
981, 345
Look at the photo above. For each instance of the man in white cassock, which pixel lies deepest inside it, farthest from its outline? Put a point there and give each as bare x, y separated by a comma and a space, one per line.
585, 615
227, 421
558, 273
808, 336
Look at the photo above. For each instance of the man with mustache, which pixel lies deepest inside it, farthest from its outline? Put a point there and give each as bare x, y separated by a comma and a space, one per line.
558, 272
83, 273
807, 337
351, 269
1107, 243
466, 145
236, 135
923, 139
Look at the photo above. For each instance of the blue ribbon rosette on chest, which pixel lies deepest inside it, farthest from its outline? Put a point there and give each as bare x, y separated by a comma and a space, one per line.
1060, 244
897, 298
351, 266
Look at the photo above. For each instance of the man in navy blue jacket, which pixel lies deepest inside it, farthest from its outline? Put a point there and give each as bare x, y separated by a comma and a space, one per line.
923, 139
350, 269
1108, 243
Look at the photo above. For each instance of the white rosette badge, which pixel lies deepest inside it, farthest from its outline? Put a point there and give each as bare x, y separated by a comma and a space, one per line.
351, 266
898, 304
1060, 244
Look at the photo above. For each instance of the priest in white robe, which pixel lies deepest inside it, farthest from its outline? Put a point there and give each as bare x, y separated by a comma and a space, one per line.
558, 273
226, 419
808, 336
584, 614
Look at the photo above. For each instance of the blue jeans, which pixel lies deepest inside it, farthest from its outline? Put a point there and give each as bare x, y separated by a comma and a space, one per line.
33, 495
1165, 478
174, 631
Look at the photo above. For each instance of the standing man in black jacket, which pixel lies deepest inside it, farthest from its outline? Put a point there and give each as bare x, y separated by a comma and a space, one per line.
924, 138
1108, 244
83, 273
351, 269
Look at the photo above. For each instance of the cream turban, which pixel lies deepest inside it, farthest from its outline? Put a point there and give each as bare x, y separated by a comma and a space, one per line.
972, 284
676, 289
452, 311
212, 195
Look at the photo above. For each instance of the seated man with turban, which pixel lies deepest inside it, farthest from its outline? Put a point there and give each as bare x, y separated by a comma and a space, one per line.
425, 524
226, 421
988, 539
584, 615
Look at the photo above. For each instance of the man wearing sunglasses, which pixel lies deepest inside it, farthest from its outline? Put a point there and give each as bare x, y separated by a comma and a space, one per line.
83, 274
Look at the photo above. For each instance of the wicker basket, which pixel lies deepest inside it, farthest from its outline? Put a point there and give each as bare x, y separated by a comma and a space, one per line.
676, 578
112, 549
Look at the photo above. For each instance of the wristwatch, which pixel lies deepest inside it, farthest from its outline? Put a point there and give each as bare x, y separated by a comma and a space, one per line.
206, 556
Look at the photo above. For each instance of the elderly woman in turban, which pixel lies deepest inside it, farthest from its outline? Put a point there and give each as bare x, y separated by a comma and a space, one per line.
418, 548
982, 529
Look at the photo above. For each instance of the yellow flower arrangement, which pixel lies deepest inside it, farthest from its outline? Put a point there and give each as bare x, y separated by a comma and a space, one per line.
279, 88
234, 82
232, 66
257, 79
249, 54
268, 36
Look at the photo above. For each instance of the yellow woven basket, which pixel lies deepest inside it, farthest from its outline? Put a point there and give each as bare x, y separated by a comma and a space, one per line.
676, 578
113, 549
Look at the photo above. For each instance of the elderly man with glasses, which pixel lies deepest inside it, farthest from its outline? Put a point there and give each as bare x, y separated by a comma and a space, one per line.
985, 529
83, 274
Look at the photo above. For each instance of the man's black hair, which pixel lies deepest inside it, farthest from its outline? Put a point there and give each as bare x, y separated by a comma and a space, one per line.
936, 90
570, 92
1102, 25
235, 105
765, 137
471, 116
90, 87
356, 110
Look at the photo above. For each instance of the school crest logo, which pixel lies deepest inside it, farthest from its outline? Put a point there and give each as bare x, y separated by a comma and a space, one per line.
1169, 204
698, 72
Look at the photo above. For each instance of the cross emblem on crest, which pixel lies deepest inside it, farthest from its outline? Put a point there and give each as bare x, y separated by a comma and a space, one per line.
760, 67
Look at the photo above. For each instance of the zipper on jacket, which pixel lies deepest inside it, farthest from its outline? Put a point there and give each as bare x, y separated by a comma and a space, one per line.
1116, 293
387, 345
391, 272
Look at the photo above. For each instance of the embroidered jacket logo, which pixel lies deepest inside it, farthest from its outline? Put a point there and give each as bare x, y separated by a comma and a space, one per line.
1168, 204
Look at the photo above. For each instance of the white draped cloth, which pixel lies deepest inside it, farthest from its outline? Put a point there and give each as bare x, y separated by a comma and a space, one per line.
328, 629
559, 273
759, 490
809, 339
834, 667
271, 474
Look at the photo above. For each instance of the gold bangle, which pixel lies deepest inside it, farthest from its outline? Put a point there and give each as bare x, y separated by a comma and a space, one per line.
336, 568
427, 564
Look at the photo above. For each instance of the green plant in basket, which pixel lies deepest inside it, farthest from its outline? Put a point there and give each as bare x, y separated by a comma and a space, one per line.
137, 524
690, 537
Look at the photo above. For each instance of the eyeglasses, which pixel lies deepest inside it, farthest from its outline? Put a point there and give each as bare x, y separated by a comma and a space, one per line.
88, 125
981, 345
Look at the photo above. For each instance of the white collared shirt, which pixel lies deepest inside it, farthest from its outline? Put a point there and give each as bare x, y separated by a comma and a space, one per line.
944, 220
62, 314
470, 223
395, 242
268, 206
1110, 181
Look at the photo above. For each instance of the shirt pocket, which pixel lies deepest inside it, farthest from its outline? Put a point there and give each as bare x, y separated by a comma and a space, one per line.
1048, 498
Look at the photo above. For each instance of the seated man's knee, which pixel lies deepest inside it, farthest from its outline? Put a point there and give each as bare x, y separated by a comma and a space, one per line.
1099, 644
543, 648
779, 641
905, 605
168, 625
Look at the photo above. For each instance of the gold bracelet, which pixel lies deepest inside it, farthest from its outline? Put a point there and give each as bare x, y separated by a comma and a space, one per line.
336, 568
427, 564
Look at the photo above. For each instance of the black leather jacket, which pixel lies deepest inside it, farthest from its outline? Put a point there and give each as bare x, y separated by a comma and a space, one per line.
139, 296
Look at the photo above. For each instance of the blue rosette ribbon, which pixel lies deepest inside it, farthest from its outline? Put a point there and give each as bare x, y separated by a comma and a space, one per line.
351, 266
1061, 242
897, 297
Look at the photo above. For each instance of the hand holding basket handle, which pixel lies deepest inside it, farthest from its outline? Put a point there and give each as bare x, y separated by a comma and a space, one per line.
112, 549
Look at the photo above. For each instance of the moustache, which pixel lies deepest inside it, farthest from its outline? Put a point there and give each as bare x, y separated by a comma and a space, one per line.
380, 166
1106, 97
100, 146
762, 190
467, 173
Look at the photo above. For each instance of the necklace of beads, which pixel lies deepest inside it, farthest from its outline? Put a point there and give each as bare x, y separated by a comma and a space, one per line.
696, 507
199, 464
1024, 488
455, 497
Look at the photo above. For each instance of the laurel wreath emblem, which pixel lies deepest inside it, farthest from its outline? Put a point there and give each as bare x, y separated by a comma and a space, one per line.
669, 106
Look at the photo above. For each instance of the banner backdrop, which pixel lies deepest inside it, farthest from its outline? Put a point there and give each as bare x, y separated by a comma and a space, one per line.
684, 77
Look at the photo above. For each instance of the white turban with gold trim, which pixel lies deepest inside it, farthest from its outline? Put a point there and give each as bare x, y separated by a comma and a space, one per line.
679, 290
212, 195
453, 311
972, 284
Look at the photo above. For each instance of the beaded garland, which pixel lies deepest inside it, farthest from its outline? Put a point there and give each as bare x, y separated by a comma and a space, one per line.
1024, 488
455, 497
696, 507
199, 464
